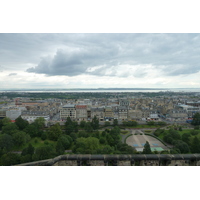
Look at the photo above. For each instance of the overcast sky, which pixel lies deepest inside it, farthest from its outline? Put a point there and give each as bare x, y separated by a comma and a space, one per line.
99, 60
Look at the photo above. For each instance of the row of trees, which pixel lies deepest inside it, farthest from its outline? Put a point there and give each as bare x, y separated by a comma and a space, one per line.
186, 143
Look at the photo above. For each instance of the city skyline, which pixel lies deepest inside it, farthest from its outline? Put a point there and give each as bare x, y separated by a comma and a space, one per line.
99, 60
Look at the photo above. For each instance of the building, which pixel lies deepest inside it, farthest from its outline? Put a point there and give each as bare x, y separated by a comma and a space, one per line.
81, 112
31, 116
122, 112
68, 110
13, 114
109, 115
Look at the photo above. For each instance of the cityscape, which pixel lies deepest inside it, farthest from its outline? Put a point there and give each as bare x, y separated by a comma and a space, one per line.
118, 99
61, 120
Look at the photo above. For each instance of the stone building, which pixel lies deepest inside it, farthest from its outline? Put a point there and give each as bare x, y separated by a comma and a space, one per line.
81, 112
68, 110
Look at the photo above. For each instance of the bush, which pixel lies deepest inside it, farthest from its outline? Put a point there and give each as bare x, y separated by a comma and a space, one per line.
44, 136
194, 132
36, 141
46, 142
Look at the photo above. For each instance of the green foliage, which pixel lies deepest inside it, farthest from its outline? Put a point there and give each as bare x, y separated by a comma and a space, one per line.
65, 140
161, 123
103, 133
95, 123
44, 152
60, 148
185, 137
88, 127
182, 146
171, 136
194, 132
86, 145
151, 123
158, 131
115, 122
54, 132
26, 158
39, 122
6, 142
19, 138
44, 136
106, 149
196, 119
130, 123
10, 159
125, 149
21, 123
28, 150
147, 149
70, 126
195, 146
6, 121
83, 134
107, 124
82, 124
102, 141
180, 128
10, 129
32, 130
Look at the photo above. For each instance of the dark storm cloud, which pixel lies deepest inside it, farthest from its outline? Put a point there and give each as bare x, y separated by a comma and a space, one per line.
103, 54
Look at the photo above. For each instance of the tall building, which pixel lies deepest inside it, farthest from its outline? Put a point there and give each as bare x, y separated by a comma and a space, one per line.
68, 110
81, 112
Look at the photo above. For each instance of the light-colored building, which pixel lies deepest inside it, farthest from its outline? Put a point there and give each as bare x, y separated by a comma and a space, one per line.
13, 114
68, 110
122, 112
30, 116
81, 112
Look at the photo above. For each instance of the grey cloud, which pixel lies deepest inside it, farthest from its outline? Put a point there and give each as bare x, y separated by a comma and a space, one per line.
12, 74
172, 54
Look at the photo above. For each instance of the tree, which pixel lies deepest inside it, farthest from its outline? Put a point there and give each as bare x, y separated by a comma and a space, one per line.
115, 122
196, 119
28, 150
83, 134
107, 123
21, 123
10, 159
39, 122
195, 146
65, 140
151, 123
44, 152
86, 145
6, 142
182, 146
6, 121
32, 130
70, 126
88, 127
82, 124
185, 137
19, 138
95, 123
59, 148
54, 132
147, 148
161, 123
10, 129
